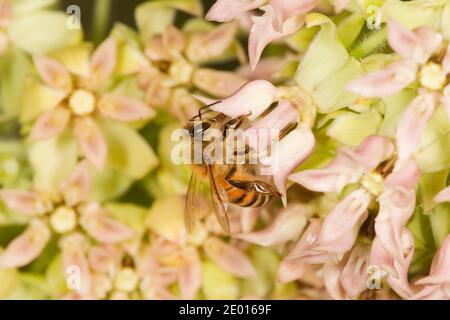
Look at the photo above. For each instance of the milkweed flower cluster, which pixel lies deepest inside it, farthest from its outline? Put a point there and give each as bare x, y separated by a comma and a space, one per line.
92, 203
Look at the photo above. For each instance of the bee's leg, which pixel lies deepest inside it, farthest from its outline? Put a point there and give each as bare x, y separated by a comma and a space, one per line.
202, 110
258, 186
240, 184
233, 124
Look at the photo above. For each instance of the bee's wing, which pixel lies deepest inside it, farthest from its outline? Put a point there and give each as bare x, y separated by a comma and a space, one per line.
217, 203
192, 202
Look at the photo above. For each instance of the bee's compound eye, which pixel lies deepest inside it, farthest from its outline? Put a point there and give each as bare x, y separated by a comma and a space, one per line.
199, 129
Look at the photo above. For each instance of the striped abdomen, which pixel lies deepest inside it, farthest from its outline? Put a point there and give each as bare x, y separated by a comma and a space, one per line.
244, 192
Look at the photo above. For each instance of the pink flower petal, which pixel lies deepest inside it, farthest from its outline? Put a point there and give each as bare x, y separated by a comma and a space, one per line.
227, 10
123, 108
331, 276
249, 216
353, 277
190, 275
217, 83
77, 188
173, 39
50, 124
91, 141
290, 270
288, 153
415, 46
405, 175
304, 260
155, 49
251, 99
103, 228
102, 259
76, 266
402, 40
53, 73
305, 251
27, 202
397, 204
343, 170
266, 69
286, 9
229, 258
390, 224
262, 132
347, 167
287, 226
6, 13
385, 82
400, 284
431, 293
103, 62
309, 274
263, 32
379, 257
440, 267
392, 218
373, 150
146, 76
443, 196
341, 226
245, 21
26, 247
397, 270
148, 261
413, 122
429, 40
158, 92
205, 46
166, 276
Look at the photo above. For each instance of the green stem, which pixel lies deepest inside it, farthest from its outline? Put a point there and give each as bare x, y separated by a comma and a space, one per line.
100, 19
374, 41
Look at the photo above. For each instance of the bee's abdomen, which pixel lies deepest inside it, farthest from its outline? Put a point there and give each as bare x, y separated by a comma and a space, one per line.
245, 198
244, 192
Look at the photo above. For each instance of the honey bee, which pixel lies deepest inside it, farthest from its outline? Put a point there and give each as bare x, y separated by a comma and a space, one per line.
236, 183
